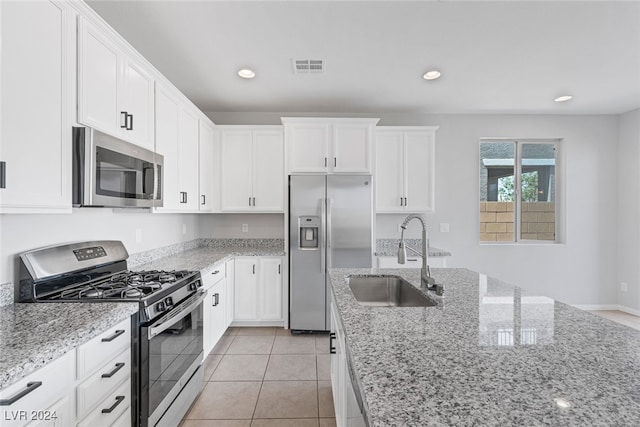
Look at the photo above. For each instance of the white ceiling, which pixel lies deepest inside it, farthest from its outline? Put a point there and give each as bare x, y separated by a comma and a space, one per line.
496, 57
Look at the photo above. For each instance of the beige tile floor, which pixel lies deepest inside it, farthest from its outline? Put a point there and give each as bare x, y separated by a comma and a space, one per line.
265, 377
620, 317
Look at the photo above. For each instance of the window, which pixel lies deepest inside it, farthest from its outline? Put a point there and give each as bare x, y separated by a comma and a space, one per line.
518, 190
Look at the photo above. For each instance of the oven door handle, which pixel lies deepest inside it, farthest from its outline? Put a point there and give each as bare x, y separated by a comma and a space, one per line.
177, 313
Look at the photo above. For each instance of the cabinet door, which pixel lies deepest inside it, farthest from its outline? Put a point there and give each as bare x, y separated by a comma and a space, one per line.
351, 148
237, 174
270, 289
219, 311
389, 172
188, 175
268, 171
167, 144
98, 70
419, 171
37, 76
137, 91
245, 293
206, 148
230, 279
308, 147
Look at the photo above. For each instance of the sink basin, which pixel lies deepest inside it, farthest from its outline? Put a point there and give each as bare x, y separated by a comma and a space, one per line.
387, 291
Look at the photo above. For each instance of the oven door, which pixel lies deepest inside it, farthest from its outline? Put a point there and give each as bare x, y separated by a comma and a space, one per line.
171, 355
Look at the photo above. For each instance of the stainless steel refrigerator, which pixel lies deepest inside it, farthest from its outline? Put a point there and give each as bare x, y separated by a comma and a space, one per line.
330, 226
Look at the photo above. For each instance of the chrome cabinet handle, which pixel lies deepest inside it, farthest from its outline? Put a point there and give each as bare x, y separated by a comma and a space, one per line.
249, 201
335, 162
28, 389
325, 162
401, 201
123, 119
119, 400
112, 373
279, 269
405, 201
130, 125
254, 201
332, 349
3, 174
217, 297
115, 335
204, 199
254, 269
216, 272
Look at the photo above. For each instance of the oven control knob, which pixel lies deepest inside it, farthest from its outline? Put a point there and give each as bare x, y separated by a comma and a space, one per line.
160, 306
168, 302
193, 286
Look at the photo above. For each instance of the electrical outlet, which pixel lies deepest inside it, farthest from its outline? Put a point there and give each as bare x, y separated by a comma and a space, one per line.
245, 228
444, 227
138, 235
624, 287
184, 228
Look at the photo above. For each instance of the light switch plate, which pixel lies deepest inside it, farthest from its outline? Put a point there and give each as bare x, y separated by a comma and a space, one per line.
138, 235
245, 228
444, 227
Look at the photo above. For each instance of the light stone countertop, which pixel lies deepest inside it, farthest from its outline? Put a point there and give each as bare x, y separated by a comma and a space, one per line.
205, 259
488, 354
389, 247
35, 334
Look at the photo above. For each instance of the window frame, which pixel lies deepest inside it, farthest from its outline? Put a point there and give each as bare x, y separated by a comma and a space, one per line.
517, 173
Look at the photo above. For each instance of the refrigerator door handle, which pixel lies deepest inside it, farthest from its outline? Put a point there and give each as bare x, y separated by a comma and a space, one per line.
323, 226
328, 232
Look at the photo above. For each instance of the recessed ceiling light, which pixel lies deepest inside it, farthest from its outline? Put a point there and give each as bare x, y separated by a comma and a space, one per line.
431, 75
246, 73
564, 98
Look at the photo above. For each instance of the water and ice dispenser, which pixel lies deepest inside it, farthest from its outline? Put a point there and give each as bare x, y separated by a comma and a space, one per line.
308, 229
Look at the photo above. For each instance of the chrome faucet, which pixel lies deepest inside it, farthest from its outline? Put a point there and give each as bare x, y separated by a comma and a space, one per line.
425, 273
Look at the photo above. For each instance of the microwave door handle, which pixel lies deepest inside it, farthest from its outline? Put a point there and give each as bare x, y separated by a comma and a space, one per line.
177, 314
156, 180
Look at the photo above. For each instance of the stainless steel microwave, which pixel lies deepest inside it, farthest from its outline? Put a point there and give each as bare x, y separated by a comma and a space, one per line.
110, 172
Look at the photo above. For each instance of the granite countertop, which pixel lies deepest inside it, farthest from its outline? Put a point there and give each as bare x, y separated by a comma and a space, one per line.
35, 334
207, 258
488, 354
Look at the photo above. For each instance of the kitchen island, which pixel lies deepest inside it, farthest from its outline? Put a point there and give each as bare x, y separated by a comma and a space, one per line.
487, 354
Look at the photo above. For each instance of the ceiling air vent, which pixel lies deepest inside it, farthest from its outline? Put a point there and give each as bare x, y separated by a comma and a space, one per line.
308, 66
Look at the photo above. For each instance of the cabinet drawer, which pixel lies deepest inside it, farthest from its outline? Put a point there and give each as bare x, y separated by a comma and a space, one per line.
213, 276
111, 408
103, 348
57, 415
39, 391
96, 388
123, 420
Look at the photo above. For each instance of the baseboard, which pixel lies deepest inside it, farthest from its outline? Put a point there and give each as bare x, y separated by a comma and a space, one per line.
615, 307
258, 323
593, 307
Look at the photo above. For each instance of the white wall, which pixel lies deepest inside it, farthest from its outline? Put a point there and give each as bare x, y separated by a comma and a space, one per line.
25, 232
581, 270
629, 210
225, 226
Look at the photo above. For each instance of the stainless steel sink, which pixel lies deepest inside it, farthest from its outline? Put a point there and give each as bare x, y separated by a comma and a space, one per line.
387, 291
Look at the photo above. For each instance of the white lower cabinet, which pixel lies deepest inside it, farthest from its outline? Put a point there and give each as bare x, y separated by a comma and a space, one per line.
346, 398
87, 386
215, 307
258, 291
37, 397
103, 393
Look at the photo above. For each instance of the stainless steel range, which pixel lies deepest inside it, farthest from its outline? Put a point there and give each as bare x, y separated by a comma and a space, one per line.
167, 344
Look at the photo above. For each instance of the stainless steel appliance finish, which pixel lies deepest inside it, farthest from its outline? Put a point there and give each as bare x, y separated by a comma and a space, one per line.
330, 226
111, 172
167, 332
387, 291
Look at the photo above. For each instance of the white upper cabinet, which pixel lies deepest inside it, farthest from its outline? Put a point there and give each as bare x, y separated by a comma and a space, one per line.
177, 140
328, 145
405, 162
252, 169
37, 80
207, 148
115, 94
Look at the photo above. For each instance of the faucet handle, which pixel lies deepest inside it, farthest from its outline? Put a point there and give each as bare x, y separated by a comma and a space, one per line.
440, 289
